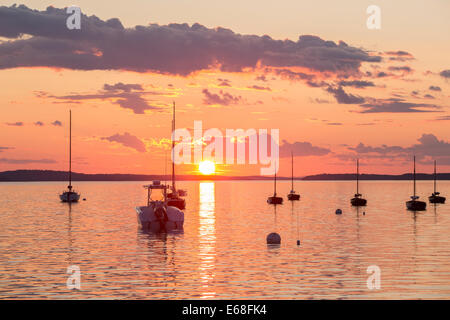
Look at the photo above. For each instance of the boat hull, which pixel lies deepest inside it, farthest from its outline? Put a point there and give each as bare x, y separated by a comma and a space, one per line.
69, 197
149, 220
415, 205
179, 203
293, 196
274, 200
436, 199
358, 202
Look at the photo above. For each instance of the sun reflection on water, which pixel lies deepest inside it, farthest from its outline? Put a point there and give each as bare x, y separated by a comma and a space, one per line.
207, 237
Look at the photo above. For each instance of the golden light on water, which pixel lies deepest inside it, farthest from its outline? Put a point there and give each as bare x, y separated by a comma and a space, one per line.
207, 167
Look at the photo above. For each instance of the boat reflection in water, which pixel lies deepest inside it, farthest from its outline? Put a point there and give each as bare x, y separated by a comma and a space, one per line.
207, 237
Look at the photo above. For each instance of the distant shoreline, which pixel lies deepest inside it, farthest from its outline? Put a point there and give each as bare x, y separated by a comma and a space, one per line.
50, 175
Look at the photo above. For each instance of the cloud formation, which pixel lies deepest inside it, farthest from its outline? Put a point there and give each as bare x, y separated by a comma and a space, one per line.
15, 124
177, 49
343, 97
127, 140
128, 96
26, 161
301, 149
445, 74
396, 105
5, 148
222, 98
428, 147
57, 123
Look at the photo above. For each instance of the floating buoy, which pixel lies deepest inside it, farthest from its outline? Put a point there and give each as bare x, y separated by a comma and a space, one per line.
338, 211
298, 242
273, 238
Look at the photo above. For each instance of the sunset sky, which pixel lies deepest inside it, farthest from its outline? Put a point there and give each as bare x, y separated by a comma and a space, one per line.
335, 89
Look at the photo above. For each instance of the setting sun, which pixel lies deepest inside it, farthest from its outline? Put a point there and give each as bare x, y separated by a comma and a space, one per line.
207, 167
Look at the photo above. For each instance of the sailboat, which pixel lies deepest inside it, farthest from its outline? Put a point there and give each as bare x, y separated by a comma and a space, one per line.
173, 198
70, 195
292, 195
414, 204
358, 200
274, 199
435, 196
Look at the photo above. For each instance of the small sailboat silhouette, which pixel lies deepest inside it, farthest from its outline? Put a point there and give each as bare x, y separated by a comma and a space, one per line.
435, 196
292, 195
274, 199
414, 204
358, 200
70, 195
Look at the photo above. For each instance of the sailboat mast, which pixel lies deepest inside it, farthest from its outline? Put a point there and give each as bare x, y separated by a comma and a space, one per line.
173, 149
414, 176
275, 181
434, 176
357, 176
70, 149
292, 175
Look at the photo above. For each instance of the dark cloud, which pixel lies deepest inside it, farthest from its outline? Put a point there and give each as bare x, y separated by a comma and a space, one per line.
301, 149
261, 88
122, 87
381, 74
127, 140
26, 161
39, 123
128, 96
443, 118
15, 124
5, 148
261, 78
445, 74
170, 49
399, 55
428, 146
396, 105
224, 83
435, 88
404, 69
293, 75
222, 98
57, 123
428, 96
343, 97
356, 83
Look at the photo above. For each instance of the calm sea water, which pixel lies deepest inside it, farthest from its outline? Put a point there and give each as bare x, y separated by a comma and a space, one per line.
222, 252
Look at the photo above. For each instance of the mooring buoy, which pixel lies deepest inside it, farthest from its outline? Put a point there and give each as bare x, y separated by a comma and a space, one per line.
338, 211
273, 238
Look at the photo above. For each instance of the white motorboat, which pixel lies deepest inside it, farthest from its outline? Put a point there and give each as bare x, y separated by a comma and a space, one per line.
157, 215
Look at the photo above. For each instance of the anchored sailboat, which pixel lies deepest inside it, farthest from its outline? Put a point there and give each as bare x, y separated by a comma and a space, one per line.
274, 199
358, 200
435, 196
292, 195
70, 195
173, 198
414, 204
